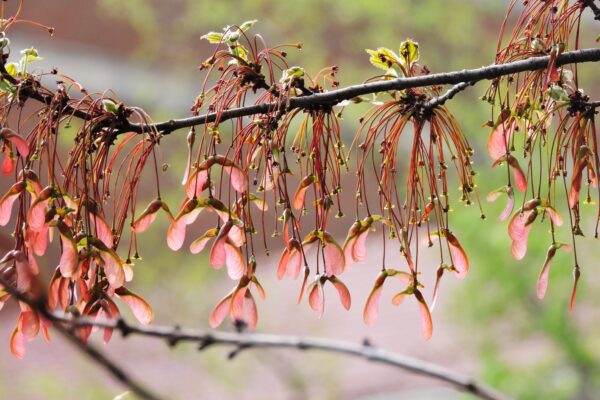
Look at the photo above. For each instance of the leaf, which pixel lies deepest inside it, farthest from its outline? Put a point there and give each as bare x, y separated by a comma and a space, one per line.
409, 52
542, 282
198, 245
383, 58
518, 230
145, 219
238, 178
10, 136
69, 258
236, 267
459, 256
187, 215
213, 37
499, 139
247, 25
7, 201
299, 196
343, 292
110, 106
426, 321
17, 344
316, 299
333, 255
220, 311
140, 307
196, 183
371, 309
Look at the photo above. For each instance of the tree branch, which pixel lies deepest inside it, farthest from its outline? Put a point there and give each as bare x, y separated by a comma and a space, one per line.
242, 341
91, 351
335, 96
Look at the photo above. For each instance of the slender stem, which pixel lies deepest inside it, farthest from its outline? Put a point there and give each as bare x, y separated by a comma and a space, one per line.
242, 341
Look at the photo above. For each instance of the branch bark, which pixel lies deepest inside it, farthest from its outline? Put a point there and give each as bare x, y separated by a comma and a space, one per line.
471, 76
67, 324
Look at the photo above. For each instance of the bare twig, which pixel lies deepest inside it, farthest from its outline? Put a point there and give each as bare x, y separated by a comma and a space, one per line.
66, 325
440, 100
243, 341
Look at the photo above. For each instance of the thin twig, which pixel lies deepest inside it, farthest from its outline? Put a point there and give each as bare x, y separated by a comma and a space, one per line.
243, 341
440, 100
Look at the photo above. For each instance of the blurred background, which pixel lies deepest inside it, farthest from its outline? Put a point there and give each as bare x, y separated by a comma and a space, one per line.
490, 326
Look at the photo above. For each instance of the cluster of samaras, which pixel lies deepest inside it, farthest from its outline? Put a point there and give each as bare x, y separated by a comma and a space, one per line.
288, 159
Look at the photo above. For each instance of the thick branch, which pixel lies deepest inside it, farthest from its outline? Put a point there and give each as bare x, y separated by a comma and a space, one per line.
335, 96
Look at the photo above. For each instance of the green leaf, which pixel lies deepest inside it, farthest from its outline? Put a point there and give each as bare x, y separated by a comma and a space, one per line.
6, 87
247, 25
383, 58
557, 93
409, 52
12, 69
292, 73
212, 37
110, 106
30, 52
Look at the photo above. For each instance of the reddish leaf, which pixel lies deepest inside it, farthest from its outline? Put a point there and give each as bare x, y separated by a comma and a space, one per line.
8, 165
426, 322
7, 201
300, 194
542, 282
371, 310
140, 308
250, 311
236, 267
333, 255
576, 275
198, 245
343, 292
147, 216
69, 258
17, 344
220, 311
238, 178
518, 230
459, 256
196, 183
316, 299
17, 141
499, 139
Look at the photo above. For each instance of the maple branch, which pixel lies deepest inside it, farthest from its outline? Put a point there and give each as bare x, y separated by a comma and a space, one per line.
242, 341
91, 351
334, 97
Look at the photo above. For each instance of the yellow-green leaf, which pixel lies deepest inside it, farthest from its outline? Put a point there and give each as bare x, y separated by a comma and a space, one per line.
383, 58
409, 52
12, 69
247, 25
212, 37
